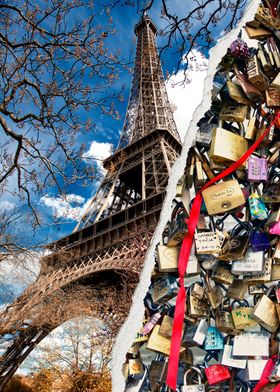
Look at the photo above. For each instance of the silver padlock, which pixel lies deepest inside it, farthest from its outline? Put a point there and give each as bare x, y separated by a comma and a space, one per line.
194, 387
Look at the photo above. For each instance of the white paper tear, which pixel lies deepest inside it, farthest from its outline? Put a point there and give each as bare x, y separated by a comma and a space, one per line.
135, 317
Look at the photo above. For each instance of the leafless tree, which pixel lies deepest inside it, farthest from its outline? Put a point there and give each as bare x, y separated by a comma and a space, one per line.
192, 29
55, 66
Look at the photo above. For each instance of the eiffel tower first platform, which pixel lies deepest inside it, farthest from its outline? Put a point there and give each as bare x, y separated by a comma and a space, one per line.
93, 270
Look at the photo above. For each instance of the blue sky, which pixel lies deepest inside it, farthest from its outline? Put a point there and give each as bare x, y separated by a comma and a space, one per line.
107, 130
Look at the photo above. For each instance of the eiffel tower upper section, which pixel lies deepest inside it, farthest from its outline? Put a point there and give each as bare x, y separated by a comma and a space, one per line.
148, 107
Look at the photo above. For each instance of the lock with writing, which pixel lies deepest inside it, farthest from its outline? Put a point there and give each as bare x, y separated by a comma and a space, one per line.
227, 147
265, 312
236, 245
223, 197
242, 315
255, 74
257, 169
198, 387
158, 369
252, 264
208, 242
222, 274
164, 289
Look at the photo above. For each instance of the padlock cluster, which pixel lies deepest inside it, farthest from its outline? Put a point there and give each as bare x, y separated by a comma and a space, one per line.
232, 313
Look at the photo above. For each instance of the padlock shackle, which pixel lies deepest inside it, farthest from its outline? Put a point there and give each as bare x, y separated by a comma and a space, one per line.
197, 370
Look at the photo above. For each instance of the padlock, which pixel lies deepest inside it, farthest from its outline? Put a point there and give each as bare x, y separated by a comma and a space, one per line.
158, 369
255, 368
276, 82
227, 147
235, 247
233, 113
213, 339
243, 315
158, 343
271, 193
248, 344
223, 197
135, 366
199, 387
252, 264
264, 277
222, 274
164, 289
136, 384
204, 133
236, 93
253, 124
258, 209
214, 294
180, 186
168, 257
251, 92
198, 291
265, 61
204, 164
223, 318
178, 226
197, 308
237, 290
257, 169
217, 374
207, 242
265, 312
239, 48
201, 332
272, 96
166, 326
259, 241
227, 358
255, 74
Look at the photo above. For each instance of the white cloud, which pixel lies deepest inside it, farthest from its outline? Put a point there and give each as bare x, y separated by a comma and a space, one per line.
70, 207
98, 151
6, 205
186, 97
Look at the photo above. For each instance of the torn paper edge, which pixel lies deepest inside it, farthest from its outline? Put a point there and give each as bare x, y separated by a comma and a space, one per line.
133, 323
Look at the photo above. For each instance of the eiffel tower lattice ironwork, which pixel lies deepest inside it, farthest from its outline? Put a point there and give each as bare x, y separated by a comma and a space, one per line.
110, 241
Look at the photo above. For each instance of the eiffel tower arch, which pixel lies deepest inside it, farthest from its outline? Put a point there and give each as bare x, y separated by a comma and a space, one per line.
105, 253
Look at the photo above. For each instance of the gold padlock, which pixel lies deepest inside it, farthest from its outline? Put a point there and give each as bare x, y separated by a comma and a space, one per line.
166, 326
237, 290
226, 146
265, 312
243, 315
233, 113
222, 274
159, 343
135, 366
223, 197
272, 97
255, 75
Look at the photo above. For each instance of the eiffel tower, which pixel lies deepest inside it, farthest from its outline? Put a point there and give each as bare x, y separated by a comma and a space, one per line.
96, 268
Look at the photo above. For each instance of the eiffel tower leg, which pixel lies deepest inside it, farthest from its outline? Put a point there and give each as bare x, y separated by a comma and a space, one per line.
42, 303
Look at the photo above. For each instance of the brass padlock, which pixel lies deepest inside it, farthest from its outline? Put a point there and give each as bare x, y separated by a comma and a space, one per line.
265, 312
255, 74
272, 97
158, 343
236, 245
226, 146
166, 326
223, 197
237, 290
135, 366
243, 315
223, 318
197, 308
214, 294
222, 274
251, 129
233, 113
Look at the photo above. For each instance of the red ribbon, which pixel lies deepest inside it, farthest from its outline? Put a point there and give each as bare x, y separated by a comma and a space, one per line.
173, 362
265, 374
